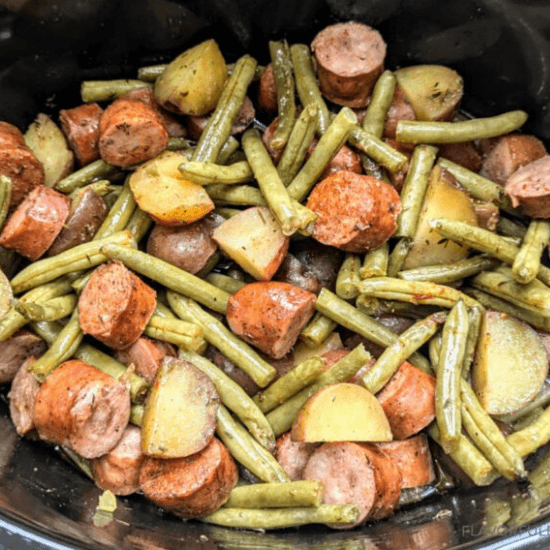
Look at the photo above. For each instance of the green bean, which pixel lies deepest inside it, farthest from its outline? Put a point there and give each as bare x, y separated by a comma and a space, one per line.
152, 72
87, 174
539, 401
373, 169
235, 195
206, 173
348, 277
177, 332
222, 338
298, 143
330, 142
246, 450
468, 458
477, 186
5, 198
416, 292
107, 90
49, 310
235, 399
224, 282
317, 330
77, 258
306, 84
367, 304
295, 380
377, 150
284, 83
101, 187
449, 375
61, 349
178, 144
398, 255
283, 518
291, 216
351, 318
448, 273
487, 426
112, 196
119, 214
276, 495
509, 228
475, 314
530, 438
222, 119
229, 147
395, 354
452, 132
170, 276
527, 261
282, 417
375, 263
380, 101
528, 419
139, 223
79, 284
414, 189
136, 414
434, 350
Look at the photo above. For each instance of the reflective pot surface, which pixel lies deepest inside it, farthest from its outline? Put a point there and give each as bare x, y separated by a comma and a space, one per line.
47, 47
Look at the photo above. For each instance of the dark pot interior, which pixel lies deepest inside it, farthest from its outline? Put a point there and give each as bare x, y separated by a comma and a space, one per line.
47, 47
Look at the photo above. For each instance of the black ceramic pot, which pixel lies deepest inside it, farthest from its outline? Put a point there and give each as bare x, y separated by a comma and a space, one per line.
500, 47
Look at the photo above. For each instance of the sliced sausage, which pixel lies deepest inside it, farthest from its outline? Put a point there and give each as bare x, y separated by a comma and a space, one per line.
192, 486
115, 305
397, 179
345, 159
145, 354
355, 213
82, 408
400, 109
22, 396
408, 400
296, 273
347, 475
270, 315
16, 349
293, 455
349, 58
118, 470
487, 214
131, 132
11, 136
267, 136
464, 153
267, 91
529, 187
413, 459
510, 153
86, 215
81, 128
36, 222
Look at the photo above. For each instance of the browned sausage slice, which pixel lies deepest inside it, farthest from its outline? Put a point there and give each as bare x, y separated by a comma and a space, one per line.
81, 128
87, 214
408, 400
131, 132
413, 458
16, 349
345, 159
115, 305
267, 91
356, 213
464, 153
400, 109
11, 136
510, 153
22, 396
192, 486
529, 187
270, 315
36, 222
293, 455
118, 470
349, 58
146, 354
82, 408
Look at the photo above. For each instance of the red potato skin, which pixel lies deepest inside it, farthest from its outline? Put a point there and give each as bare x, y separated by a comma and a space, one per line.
82, 408
349, 58
529, 187
463, 153
131, 132
36, 222
267, 92
413, 458
85, 218
146, 354
115, 305
293, 455
397, 179
22, 396
345, 159
400, 109
270, 315
267, 136
118, 470
355, 213
81, 128
408, 400
296, 273
16, 350
192, 486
